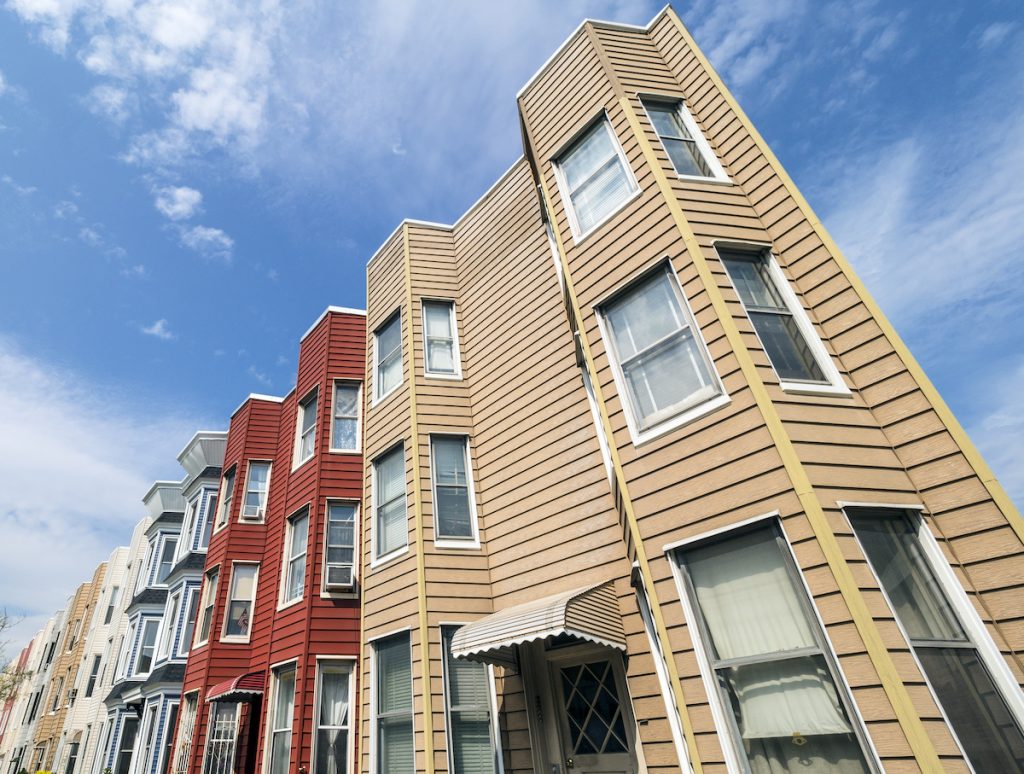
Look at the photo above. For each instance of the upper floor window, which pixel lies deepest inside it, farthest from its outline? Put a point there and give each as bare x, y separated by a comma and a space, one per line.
115, 594
391, 528
207, 610
339, 558
440, 339
305, 439
57, 694
227, 496
187, 632
166, 563
255, 505
454, 510
241, 594
211, 509
594, 178
94, 675
170, 625
387, 356
296, 544
661, 364
188, 532
147, 645
686, 147
146, 568
345, 425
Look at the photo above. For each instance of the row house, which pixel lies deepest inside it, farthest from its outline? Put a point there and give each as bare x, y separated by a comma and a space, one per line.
14, 704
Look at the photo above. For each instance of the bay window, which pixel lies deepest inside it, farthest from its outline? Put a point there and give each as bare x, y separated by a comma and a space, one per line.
207, 609
296, 544
391, 529
454, 510
339, 558
345, 427
305, 438
241, 594
392, 702
680, 137
256, 485
439, 339
387, 357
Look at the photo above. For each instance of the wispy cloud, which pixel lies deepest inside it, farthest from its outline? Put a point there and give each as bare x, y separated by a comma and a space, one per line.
3, 84
110, 102
178, 202
259, 376
994, 34
21, 190
160, 329
208, 242
90, 236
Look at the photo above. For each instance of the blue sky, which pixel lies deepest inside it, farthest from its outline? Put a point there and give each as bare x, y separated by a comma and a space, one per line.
186, 184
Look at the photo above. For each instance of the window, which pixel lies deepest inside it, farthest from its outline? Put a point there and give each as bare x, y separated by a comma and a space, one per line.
345, 427
305, 439
467, 694
241, 594
186, 729
124, 647
220, 745
147, 645
339, 558
129, 730
227, 494
149, 735
75, 631
164, 757
145, 569
209, 600
170, 624
166, 559
594, 178
391, 529
295, 566
453, 498
211, 509
188, 534
34, 706
685, 145
767, 657
786, 334
115, 594
185, 643
387, 355
72, 758
440, 339
255, 505
56, 694
94, 674
393, 733
662, 366
281, 723
333, 718
946, 649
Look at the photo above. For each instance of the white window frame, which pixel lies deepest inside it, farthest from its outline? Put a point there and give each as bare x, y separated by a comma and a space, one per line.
189, 524
834, 384
210, 739
378, 396
159, 556
327, 590
286, 559
472, 542
310, 398
226, 499
718, 173
372, 658
185, 646
140, 639
334, 661
377, 561
334, 448
291, 665
169, 625
211, 578
112, 601
456, 375
124, 655
578, 235
164, 745
181, 762
691, 413
148, 727
261, 512
224, 636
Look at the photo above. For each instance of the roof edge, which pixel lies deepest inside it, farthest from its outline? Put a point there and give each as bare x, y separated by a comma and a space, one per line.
256, 396
327, 311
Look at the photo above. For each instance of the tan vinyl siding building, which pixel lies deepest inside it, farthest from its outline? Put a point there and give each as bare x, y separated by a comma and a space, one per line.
805, 409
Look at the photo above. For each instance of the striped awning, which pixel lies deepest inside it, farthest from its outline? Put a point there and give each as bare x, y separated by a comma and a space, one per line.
590, 613
246, 687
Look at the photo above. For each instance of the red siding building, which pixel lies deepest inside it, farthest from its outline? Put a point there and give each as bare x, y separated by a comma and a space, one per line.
272, 670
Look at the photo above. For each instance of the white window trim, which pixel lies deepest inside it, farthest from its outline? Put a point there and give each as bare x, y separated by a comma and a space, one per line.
237, 638
372, 658
377, 399
164, 742
158, 556
140, 635
262, 515
352, 662
563, 185
271, 719
187, 593
282, 603
169, 625
208, 736
378, 561
341, 592
178, 740
187, 535
204, 590
718, 173
1000, 672
300, 410
721, 716
686, 416
472, 542
456, 349
359, 415
224, 503
835, 385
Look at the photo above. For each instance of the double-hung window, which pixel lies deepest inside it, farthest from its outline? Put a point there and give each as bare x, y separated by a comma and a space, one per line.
594, 178
208, 516
187, 632
945, 644
169, 625
115, 594
147, 646
661, 364
186, 730
387, 356
58, 690
188, 534
333, 717
392, 702
94, 675
166, 563
209, 601
440, 339
391, 527
345, 424
686, 148
339, 558
305, 438
255, 505
221, 738
296, 544
227, 496
467, 694
775, 677
241, 594
453, 496
281, 721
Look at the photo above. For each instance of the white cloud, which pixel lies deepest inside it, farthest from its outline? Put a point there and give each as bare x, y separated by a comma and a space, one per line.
208, 242
90, 236
994, 34
138, 270
999, 432
160, 329
178, 202
64, 210
258, 375
110, 102
21, 190
3, 83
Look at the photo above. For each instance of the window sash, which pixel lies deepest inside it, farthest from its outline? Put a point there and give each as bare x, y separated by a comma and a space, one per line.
307, 428
298, 539
94, 674
333, 733
467, 696
256, 490
166, 563
282, 720
596, 177
238, 619
386, 376
115, 593
186, 728
222, 737
345, 419
339, 556
147, 646
393, 724
209, 603
170, 624
227, 496
391, 514
453, 505
437, 342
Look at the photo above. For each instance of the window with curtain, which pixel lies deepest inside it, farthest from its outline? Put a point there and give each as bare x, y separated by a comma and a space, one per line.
775, 322
209, 600
345, 428
393, 705
387, 354
255, 505
677, 138
296, 546
221, 735
147, 645
167, 552
977, 711
788, 712
333, 714
339, 559
390, 518
439, 338
663, 364
281, 724
306, 429
227, 495
595, 178
467, 685
186, 728
453, 508
241, 593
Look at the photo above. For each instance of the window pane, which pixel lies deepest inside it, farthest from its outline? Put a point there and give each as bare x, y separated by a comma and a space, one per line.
331, 751
394, 706
309, 413
753, 283
440, 356
300, 535
786, 347
668, 375
587, 155
391, 517
334, 697
346, 398
437, 316
390, 375
345, 431
467, 692
666, 121
686, 158
597, 198
644, 315
389, 337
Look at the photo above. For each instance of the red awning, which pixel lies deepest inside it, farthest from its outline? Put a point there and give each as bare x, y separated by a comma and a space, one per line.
242, 688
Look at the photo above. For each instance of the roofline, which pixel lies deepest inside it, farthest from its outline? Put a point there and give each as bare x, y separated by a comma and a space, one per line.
327, 311
489, 191
195, 437
161, 485
256, 396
